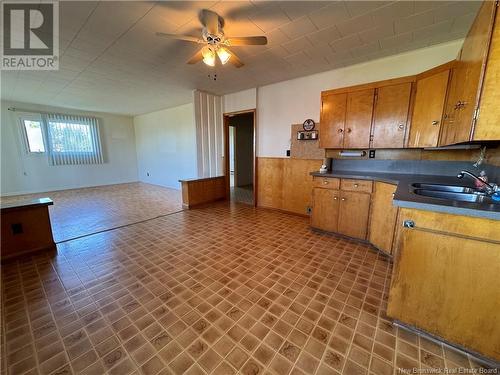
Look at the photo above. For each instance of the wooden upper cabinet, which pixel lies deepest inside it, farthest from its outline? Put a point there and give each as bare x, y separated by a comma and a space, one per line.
428, 109
332, 121
358, 118
467, 87
325, 206
487, 127
391, 116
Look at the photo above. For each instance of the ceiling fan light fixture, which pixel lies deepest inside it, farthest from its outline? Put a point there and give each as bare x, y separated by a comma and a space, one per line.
224, 55
208, 56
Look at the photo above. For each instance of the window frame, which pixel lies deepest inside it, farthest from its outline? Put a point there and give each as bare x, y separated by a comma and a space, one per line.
24, 135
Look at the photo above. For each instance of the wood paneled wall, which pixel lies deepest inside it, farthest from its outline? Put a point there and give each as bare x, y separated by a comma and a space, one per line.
285, 184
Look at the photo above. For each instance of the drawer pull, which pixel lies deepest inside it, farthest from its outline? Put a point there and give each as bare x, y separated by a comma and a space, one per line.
356, 185
325, 182
409, 224
401, 126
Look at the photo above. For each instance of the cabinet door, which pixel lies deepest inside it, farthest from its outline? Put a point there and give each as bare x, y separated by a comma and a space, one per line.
358, 119
325, 209
391, 116
383, 217
467, 78
353, 214
333, 108
448, 286
428, 110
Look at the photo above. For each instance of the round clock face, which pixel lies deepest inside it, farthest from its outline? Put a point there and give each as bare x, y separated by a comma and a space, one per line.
308, 125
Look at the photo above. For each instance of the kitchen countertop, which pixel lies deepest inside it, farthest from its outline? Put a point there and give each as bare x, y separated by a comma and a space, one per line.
404, 196
28, 203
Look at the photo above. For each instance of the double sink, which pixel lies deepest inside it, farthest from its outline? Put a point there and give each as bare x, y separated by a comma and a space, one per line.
452, 193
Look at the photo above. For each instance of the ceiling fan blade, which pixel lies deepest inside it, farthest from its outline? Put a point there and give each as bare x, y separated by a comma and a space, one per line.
187, 38
246, 41
235, 60
197, 57
210, 20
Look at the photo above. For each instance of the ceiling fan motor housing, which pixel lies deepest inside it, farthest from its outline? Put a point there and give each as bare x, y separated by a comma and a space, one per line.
212, 39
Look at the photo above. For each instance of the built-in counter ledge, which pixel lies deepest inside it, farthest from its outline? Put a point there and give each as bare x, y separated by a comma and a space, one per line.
198, 191
404, 196
26, 204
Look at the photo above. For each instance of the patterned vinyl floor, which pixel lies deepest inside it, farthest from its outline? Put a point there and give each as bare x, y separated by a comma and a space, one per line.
79, 212
224, 289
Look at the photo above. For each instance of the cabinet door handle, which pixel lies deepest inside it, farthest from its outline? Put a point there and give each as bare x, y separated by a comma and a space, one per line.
356, 185
340, 131
401, 126
325, 182
435, 122
409, 224
343, 199
349, 130
335, 198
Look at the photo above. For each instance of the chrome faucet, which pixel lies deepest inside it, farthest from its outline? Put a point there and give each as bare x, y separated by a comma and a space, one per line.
489, 188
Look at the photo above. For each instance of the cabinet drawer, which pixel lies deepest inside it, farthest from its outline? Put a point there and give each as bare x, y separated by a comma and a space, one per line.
357, 185
326, 182
464, 226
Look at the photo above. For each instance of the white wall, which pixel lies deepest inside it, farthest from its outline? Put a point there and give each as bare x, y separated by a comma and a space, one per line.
23, 173
166, 146
240, 101
290, 102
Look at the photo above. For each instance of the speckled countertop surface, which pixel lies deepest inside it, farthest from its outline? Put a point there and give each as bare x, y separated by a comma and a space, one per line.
404, 196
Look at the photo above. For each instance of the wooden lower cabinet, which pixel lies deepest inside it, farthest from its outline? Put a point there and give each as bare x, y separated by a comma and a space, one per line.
445, 279
383, 216
325, 205
353, 214
344, 212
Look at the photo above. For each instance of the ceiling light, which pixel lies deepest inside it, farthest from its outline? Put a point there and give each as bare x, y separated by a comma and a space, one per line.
208, 56
223, 54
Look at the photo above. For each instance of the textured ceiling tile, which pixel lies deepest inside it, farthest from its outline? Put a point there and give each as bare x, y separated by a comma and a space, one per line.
346, 43
441, 28
297, 9
356, 8
398, 9
383, 31
270, 18
455, 9
324, 36
329, 15
397, 40
414, 22
297, 45
299, 27
356, 25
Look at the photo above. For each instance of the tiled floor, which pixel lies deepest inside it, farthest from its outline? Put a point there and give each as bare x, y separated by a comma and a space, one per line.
216, 290
79, 212
242, 194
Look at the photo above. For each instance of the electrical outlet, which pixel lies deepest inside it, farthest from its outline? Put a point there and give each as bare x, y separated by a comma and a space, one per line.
371, 154
287, 152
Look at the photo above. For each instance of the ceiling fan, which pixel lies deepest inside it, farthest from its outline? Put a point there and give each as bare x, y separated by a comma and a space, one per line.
215, 41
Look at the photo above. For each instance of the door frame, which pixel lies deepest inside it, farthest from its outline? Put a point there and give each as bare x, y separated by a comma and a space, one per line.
226, 117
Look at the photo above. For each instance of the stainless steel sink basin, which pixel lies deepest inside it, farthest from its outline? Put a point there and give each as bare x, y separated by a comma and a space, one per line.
449, 188
453, 196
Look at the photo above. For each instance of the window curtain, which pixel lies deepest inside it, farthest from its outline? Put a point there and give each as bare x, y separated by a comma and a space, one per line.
73, 140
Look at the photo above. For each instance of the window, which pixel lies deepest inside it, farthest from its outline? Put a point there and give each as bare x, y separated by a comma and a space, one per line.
66, 139
34, 135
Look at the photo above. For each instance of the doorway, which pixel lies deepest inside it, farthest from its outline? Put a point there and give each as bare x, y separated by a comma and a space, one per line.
240, 151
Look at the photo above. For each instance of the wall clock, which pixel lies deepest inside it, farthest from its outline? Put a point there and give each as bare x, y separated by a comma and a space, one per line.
308, 125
